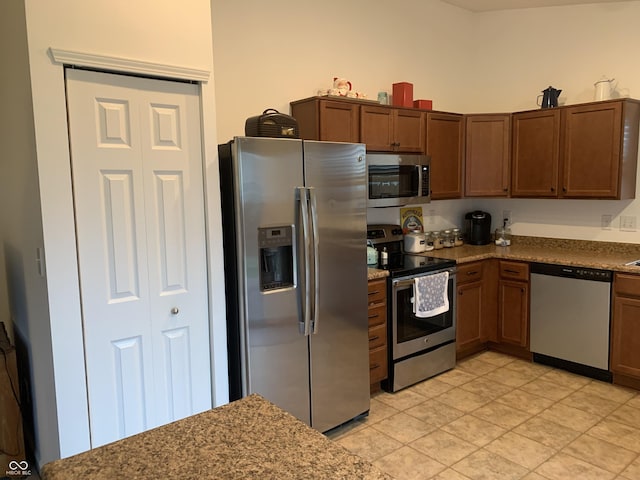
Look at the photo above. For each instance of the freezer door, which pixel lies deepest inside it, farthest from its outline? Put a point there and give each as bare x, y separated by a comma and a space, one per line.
274, 352
335, 173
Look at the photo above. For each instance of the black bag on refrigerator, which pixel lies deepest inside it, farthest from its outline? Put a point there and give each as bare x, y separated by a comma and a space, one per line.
271, 124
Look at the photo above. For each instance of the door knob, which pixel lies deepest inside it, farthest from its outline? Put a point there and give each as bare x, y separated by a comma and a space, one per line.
175, 311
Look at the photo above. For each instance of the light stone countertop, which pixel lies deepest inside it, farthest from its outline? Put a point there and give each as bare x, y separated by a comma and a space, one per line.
247, 439
581, 253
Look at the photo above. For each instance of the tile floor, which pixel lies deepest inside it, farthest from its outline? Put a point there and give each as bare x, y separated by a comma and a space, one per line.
496, 417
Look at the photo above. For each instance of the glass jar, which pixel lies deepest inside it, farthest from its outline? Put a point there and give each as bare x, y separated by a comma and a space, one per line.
437, 240
447, 239
458, 240
428, 241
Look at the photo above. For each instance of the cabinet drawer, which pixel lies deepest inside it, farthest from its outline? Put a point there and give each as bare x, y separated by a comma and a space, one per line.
377, 315
377, 364
627, 284
377, 336
469, 272
514, 270
377, 291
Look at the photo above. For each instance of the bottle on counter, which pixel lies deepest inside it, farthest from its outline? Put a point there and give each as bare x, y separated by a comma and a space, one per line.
503, 235
458, 240
384, 257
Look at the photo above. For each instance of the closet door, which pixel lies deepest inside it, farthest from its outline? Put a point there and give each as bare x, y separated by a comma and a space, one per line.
138, 192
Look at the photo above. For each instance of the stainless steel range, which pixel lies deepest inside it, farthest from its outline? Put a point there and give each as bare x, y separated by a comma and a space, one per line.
422, 343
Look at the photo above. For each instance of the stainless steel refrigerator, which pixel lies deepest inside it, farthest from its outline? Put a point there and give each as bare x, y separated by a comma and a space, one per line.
294, 229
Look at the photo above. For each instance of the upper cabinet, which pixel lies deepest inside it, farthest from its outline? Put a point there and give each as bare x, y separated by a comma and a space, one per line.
445, 145
388, 129
535, 153
580, 151
600, 150
487, 155
328, 120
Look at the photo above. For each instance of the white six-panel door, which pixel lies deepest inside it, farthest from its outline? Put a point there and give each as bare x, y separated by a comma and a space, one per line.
138, 192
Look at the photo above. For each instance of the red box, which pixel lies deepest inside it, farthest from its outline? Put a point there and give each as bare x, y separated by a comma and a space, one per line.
403, 94
423, 104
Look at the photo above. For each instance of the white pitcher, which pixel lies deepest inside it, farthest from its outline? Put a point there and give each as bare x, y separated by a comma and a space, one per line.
604, 88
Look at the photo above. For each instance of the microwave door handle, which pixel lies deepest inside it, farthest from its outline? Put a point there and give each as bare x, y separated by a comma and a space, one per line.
315, 240
305, 264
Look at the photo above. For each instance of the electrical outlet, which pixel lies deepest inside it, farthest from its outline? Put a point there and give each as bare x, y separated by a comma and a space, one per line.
506, 215
605, 222
628, 223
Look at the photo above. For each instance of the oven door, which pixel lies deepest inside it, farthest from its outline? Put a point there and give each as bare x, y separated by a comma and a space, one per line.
411, 334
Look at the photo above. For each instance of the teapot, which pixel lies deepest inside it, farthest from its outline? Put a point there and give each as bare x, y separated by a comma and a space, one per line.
604, 88
549, 97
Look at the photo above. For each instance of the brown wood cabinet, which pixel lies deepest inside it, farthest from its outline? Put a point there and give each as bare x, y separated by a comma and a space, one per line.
625, 330
445, 145
388, 129
487, 155
476, 306
327, 120
600, 150
513, 305
377, 291
535, 153
580, 151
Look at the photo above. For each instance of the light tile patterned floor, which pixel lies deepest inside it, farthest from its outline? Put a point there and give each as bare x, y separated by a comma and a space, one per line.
496, 417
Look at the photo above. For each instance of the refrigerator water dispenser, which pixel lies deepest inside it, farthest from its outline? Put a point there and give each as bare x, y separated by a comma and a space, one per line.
276, 257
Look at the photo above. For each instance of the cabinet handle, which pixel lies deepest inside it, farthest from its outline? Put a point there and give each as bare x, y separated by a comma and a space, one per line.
459, 292
505, 189
553, 189
374, 366
374, 316
564, 189
474, 272
375, 337
522, 290
512, 271
374, 292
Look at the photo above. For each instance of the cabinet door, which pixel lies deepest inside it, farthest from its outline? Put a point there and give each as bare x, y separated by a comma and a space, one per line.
535, 153
487, 155
513, 313
339, 121
445, 146
625, 336
592, 148
376, 128
409, 131
469, 308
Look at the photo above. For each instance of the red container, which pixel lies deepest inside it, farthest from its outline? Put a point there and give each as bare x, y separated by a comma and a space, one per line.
403, 94
423, 104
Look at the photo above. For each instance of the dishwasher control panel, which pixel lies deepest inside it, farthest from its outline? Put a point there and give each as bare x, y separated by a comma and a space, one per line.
568, 271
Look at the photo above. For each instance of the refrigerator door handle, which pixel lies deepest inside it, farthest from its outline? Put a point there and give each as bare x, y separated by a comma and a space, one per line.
306, 263
316, 264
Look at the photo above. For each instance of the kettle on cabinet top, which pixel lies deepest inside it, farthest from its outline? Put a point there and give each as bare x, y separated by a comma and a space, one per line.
549, 97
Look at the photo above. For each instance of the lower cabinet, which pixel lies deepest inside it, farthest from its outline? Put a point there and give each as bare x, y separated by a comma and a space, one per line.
476, 307
625, 330
377, 312
513, 307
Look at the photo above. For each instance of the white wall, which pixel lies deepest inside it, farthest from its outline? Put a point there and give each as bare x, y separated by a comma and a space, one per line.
268, 54
170, 33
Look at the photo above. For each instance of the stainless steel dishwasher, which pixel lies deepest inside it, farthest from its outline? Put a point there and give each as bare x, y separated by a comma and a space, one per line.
570, 318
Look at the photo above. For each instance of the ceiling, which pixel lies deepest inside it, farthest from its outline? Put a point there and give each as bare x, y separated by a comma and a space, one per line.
490, 5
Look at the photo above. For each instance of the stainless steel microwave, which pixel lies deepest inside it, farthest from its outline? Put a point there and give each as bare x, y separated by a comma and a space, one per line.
396, 179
